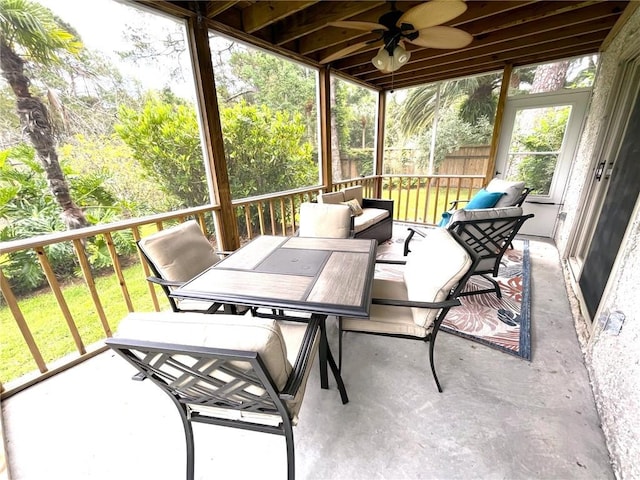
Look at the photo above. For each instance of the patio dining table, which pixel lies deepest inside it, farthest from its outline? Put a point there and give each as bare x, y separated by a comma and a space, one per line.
317, 276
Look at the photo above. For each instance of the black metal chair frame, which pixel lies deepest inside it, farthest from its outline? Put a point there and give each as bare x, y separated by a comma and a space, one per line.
157, 279
488, 238
196, 388
445, 306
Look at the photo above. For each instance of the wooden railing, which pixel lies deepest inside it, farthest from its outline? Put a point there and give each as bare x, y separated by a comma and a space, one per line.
272, 214
417, 199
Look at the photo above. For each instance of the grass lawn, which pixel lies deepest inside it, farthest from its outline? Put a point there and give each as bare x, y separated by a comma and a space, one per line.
49, 327
414, 205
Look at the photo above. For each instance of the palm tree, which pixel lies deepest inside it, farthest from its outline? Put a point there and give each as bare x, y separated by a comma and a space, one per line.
31, 29
475, 93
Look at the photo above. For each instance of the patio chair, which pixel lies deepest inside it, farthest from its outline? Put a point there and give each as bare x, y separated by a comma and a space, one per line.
176, 255
488, 233
325, 220
234, 371
415, 306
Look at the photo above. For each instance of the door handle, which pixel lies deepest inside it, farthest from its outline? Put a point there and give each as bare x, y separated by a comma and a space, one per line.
600, 170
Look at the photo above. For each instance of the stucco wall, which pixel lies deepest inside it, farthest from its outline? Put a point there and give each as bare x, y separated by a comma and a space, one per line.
613, 360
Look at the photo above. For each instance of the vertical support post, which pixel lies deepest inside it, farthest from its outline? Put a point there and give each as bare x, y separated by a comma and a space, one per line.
382, 109
325, 128
497, 124
198, 35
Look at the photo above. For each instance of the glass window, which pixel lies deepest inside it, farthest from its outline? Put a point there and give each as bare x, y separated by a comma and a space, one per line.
553, 77
268, 110
353, 109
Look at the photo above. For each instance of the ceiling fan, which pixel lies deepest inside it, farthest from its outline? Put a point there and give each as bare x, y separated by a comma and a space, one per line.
420, 25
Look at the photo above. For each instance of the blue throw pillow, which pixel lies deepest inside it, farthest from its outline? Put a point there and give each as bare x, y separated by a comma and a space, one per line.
446, 217
483, 199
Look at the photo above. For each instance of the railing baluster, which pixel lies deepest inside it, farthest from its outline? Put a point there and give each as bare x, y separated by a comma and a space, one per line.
91, 285
201, 221
62, 303
283, 218
261, 217
12, 303
273, 218
418, 188
406, 205
247, 219
292, 204
145, 268
118, 271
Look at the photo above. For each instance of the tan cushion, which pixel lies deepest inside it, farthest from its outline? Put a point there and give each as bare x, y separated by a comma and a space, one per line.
179, 253
324, 220
331, 197
355, 207
512, 190
232, 332
370, 216
351, 193
387, 319
432, 270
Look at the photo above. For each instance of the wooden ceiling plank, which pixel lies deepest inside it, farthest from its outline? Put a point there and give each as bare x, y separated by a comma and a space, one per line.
216, 8
532, 41
487, 65
262, 14
316, 17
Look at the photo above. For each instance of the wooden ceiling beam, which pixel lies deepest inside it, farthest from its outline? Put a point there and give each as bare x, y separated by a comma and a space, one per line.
262, 14
216, 8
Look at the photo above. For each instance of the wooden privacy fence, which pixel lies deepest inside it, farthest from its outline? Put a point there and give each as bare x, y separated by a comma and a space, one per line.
467, 160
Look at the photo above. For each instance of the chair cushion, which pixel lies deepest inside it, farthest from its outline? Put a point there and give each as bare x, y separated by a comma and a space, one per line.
386, 319
512, 190
331, 197
351, 193
355, 207
483, 199
370, 216
432, 270
179, 253
277, 342
231, 332
324, 220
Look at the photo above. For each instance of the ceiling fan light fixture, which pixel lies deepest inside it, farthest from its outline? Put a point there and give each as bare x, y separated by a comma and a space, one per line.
390, 63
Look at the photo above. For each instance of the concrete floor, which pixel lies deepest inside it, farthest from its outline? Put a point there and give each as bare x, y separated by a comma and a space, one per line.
499, 416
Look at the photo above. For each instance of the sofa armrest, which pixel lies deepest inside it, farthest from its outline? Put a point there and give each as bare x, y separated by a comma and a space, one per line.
378, 203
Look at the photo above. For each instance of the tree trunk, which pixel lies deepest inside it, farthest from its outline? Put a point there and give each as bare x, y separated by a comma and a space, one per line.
550, 77
37, 125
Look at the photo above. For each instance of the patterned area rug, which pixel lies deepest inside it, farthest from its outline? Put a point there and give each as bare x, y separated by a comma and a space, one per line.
503, 323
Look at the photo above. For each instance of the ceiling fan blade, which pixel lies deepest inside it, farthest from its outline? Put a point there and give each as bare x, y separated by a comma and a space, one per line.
344, 52
432, 13
442, 37
366, 26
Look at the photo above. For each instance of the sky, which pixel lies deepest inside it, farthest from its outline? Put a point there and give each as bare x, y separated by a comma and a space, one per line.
101, 25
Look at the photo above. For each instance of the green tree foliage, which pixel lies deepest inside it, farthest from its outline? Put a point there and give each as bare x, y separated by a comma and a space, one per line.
546, 136
266, 151
29, 30
164, 138
27, 209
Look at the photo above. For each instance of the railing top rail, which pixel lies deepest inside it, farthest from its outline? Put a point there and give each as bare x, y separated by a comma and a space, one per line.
269, 196
80, 233
452, 175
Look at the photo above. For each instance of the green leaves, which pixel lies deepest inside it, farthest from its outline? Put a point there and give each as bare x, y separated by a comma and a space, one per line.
32, 28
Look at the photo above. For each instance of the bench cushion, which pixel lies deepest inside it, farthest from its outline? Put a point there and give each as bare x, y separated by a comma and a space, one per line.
370, 216
331, 197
